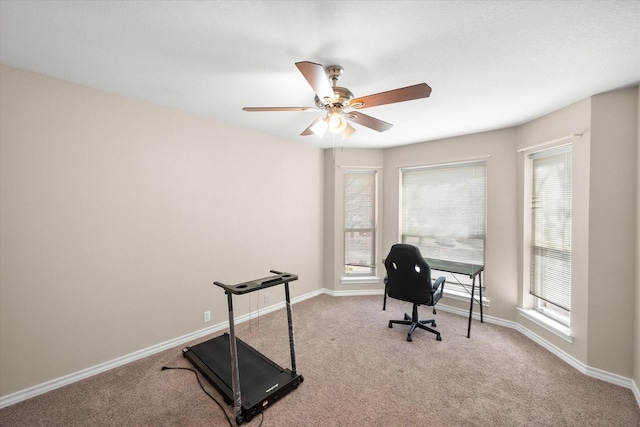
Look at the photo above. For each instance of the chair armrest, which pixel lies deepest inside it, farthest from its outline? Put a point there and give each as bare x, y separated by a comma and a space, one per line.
438, 283
436, 290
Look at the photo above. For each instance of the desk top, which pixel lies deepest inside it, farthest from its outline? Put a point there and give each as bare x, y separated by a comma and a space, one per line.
455, 267
257, 284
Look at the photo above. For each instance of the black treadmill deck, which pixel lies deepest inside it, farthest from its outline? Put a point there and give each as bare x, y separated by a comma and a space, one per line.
262, 380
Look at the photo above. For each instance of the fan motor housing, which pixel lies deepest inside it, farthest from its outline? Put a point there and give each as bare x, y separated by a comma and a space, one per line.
341, 98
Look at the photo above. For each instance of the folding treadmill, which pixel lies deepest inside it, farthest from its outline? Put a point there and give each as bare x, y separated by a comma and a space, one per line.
227, 361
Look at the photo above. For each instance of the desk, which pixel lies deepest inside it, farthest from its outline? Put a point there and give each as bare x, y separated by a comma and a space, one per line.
453, 267
471, 270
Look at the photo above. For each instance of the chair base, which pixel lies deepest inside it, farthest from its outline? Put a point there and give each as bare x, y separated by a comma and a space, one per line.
414, 323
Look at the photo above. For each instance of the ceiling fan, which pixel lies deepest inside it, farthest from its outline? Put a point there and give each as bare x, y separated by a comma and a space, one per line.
339, 104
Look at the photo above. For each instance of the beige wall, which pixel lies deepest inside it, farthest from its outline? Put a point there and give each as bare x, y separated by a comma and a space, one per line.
117, 216
612, 220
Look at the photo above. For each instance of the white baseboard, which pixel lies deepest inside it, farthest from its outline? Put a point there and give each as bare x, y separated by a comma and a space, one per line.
120, 361
353, 293
39, 389
587, 370
103, 367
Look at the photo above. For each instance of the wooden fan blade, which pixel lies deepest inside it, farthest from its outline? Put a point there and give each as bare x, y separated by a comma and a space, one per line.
421, 90
317, 79
368, 121
279, 109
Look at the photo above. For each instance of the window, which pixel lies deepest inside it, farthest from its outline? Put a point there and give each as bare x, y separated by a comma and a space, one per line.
550, 262
359, 223
443, 211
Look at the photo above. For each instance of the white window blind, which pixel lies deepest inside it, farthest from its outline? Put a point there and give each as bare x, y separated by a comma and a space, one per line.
443, 211
551, 226
359, 222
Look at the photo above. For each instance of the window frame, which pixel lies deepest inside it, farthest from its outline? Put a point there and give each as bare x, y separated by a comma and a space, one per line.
372, 273
458, 285
544, 306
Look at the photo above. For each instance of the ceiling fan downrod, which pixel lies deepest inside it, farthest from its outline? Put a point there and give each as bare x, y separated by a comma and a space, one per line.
334, 72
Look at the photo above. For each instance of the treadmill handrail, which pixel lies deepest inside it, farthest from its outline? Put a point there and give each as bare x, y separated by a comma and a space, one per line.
258, 284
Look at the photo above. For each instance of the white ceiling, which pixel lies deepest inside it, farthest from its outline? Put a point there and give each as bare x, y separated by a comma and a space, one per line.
491, 64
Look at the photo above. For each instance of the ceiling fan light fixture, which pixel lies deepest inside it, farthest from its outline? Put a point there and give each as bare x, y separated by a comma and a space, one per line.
319, 127
337, 122
348, 131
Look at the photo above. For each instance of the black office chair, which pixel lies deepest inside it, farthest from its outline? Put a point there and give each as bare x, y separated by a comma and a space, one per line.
409, 279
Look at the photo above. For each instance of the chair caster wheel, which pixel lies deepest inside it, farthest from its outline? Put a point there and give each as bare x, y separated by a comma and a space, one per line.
438, 338
434, 324
409, 338
390, 325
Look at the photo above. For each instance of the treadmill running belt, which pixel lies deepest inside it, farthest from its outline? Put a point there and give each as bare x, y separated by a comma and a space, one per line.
254, 368
262, 381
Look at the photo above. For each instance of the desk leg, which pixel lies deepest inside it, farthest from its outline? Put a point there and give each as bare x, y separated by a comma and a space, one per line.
292, 345
473, 290
235, 372
480, 302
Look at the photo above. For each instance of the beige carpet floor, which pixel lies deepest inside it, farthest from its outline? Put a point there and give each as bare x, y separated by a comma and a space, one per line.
357, 372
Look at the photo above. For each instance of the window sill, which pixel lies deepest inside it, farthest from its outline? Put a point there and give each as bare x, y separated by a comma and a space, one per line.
557, 328
360, 280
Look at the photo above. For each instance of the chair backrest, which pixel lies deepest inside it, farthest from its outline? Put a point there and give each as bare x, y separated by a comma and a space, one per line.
408, 275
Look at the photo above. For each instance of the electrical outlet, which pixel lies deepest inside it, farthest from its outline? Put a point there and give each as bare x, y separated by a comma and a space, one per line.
266, 298
207, 316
